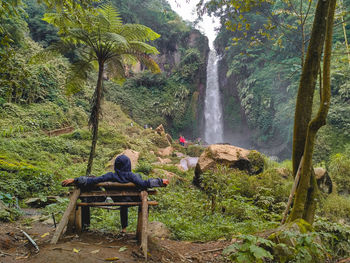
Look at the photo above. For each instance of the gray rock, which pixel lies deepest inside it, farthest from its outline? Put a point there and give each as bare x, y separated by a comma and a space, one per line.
188, 163
41, 202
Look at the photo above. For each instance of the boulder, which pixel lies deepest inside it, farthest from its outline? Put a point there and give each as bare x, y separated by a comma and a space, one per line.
160, 130
324, 181
41, 202
179, 154
188, 163
133, 155
165, 151
163, 161
232, 156
158, 229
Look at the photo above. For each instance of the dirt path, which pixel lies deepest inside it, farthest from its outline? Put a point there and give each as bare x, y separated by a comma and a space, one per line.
97, 247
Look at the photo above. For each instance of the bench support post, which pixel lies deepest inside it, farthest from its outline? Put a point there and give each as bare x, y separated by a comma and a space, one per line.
144, 228
63, 223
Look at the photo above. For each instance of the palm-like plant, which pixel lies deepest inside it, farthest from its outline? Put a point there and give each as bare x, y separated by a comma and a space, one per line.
100, 36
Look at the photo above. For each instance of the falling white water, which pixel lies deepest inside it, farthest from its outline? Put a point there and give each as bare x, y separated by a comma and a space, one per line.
213, 132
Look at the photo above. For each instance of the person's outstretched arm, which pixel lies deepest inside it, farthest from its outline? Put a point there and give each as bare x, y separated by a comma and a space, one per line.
149, 183
85, 180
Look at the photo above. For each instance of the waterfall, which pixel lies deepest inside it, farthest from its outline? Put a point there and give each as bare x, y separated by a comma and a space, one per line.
213, 132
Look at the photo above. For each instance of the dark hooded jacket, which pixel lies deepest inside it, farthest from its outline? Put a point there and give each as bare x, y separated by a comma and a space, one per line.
122, 174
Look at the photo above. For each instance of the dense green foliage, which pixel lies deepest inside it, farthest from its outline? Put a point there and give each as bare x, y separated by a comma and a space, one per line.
171, 99
231, 203
262, 55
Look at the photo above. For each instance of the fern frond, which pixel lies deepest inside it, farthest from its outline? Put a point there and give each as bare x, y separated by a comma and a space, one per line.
78, 76
111, 16
116, 39
137, 32
143, 47
115, 68
148, 62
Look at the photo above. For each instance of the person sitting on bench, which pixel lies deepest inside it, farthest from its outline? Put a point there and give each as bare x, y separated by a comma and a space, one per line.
122, 174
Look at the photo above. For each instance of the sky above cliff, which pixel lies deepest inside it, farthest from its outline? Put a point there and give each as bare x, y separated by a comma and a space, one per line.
187, 10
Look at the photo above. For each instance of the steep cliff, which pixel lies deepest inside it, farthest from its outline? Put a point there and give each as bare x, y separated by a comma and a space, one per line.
174, 98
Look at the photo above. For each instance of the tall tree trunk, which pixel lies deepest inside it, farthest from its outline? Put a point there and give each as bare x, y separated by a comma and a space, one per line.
95, 115
304, 204
307, 84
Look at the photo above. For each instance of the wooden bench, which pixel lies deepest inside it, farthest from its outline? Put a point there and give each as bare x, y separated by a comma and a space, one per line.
77, 214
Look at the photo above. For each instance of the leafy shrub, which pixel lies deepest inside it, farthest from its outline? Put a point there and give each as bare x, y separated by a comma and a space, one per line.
336, 208
80, 134
249, 249
22, 180
144, 167
292, 247
158, 140
194, 150
335, 237
339, 169
257, 162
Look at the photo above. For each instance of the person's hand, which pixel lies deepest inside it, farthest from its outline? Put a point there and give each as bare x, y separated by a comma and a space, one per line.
67, 182
165, 182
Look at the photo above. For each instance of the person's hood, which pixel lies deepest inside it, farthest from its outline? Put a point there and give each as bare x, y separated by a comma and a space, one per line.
122, 164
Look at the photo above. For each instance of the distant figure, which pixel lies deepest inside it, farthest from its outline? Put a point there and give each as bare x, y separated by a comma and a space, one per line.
122, 174
199, 140
182, 140
131, 124
145, 126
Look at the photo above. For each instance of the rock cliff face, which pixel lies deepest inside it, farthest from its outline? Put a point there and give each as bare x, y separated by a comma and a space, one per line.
168, 60
236, 130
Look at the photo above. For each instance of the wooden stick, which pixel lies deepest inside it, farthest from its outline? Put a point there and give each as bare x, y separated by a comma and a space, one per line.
144, 228
71, 206
31, 241
292, 192
4, 253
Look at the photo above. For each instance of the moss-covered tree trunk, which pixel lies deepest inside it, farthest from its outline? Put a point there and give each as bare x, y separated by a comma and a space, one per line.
305, 198
94, 117
307, 84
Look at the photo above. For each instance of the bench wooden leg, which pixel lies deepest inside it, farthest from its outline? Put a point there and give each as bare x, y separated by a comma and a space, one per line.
71, 222
63, 223
144, 218
139, 225
78, 220
85, 217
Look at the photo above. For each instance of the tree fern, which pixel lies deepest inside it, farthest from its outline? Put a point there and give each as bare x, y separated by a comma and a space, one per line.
102, 37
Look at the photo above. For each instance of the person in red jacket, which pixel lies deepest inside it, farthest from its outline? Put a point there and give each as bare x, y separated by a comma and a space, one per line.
182, 140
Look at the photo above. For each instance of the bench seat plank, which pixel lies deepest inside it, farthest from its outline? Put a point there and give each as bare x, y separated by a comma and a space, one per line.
115, 193
116, 203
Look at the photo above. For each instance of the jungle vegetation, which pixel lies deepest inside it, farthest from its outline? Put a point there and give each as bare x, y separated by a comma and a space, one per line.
264, 65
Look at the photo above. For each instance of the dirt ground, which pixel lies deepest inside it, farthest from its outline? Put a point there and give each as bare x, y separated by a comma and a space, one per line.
97, 247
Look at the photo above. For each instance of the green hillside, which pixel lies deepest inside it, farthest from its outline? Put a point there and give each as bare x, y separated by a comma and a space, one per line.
45, 135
